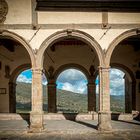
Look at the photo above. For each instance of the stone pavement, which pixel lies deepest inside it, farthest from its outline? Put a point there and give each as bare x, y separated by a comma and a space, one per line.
69, 130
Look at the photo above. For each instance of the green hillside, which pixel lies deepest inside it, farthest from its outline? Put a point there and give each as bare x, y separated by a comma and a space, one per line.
66, 101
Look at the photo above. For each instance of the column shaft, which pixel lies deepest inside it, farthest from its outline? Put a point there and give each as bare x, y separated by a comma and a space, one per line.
36, 116
104, 118
52, 98
91, 97
128, 96
133, 95
12, 97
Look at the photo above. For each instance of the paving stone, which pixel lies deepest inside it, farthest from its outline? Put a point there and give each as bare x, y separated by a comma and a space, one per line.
69, 130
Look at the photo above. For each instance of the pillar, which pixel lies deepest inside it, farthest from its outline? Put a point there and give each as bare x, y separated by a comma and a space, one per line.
133, 95
91, 97
12, 97
104, 115
36, 115
128, 95
52, 98
138, 95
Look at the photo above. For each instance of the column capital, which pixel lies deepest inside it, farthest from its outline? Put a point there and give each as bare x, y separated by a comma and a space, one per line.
105, 69
91, 84
12, 84
91, 79
52, 84
37, 70
51, 81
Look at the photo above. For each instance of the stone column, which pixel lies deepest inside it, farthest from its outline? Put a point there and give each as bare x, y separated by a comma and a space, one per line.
12, 97
36, 115
133, 95
52, 98
104, 115
128, 95
91, 97
138, 95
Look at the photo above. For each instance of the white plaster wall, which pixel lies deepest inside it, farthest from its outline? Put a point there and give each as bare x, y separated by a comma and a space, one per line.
69, 17
43, 34
104, 40
123, 18
19, 12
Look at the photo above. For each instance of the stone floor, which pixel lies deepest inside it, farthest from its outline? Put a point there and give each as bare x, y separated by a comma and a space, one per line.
69, 130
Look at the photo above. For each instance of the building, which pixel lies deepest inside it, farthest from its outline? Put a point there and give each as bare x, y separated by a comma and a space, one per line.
50, 36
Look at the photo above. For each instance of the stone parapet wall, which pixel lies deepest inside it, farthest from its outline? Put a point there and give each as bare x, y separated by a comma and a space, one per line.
54, 116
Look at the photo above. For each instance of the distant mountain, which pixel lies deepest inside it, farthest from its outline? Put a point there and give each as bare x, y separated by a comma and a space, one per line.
66, 101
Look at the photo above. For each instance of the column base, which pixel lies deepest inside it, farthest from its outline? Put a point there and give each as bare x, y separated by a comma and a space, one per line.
36, 122
52, 110
104, 121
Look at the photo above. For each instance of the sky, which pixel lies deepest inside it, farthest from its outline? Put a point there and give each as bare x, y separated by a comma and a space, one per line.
75, 81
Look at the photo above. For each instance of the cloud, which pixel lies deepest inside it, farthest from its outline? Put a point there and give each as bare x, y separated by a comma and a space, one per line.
116, 82
78, 87
71, 76
25, 76
75, 81
24, 79
72, 80
44, 80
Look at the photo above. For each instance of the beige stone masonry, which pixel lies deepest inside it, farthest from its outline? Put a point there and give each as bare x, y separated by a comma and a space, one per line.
104, 116
36, 115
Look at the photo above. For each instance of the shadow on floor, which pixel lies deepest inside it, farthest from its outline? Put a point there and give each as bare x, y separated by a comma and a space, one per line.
130, 122
87, 124
26, 117
72, 117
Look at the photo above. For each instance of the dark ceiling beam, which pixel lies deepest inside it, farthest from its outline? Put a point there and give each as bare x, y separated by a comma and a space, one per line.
89, 5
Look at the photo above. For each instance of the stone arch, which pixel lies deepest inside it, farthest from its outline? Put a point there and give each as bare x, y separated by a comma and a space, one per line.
68, 66
21, 40
66, 34
91, 96
17, 71
78, 67
116, 41
125, 69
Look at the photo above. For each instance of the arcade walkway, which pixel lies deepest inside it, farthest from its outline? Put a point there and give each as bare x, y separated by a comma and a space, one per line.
68, 130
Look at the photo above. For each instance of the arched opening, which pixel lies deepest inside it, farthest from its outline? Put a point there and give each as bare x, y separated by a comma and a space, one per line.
127, 54
45, 92
120, 92
117, 91
14, 54
61, 50
23, 92
72, 92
